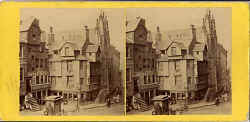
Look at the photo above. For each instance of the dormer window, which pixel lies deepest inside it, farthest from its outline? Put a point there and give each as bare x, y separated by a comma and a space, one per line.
173, 50
66, 51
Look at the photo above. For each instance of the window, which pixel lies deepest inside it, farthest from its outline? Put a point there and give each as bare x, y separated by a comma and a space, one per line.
128, 74
68, 82
160, 66
41, 79
37, 79
21, 52
69, 66
197, 52
46, 79
175, 81
145, 79
46, 63
177, 65
153, 78
90, 54
21, 74
66, 51
126, 51
149, 79
76, 52
81, 65
189, 81
81, 81
41, 63
173, 50
37, 62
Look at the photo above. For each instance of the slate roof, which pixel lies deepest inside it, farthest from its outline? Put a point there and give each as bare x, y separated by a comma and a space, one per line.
182, 36
199, 47
92, 48
77, 37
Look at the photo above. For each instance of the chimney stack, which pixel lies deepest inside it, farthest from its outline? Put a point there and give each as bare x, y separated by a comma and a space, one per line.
87, 33
193, 31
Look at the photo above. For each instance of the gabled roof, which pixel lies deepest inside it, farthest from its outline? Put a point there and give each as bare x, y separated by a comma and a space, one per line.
131, 25
78, 37
181, 36
92, 48
199, 47
74, 46
25, 24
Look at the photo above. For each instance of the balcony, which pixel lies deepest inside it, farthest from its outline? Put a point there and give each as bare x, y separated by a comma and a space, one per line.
40, 86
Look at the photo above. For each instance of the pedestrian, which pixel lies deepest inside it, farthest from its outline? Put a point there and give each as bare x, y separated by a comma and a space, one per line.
108, 102
77, 105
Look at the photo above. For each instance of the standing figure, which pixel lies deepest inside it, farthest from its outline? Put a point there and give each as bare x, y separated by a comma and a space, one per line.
108, 102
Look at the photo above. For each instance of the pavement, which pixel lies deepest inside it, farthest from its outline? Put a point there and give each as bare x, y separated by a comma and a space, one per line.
197, 109
200, 104
87, 109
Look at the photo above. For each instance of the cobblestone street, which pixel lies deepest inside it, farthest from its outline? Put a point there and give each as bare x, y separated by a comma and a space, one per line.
223, 108
100, 109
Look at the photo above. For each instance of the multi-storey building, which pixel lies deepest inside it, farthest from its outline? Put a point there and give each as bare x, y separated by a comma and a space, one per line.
180, 64
74, 66
141, 62
34, 71
193, 59
83, 62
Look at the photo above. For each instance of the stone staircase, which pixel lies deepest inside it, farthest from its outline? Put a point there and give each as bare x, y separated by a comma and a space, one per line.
34, 104
143, 105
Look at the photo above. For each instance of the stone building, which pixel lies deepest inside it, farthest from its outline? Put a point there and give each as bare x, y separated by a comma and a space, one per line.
83, 62
140, 62
193, 58
74, 69
180, 66
34, 71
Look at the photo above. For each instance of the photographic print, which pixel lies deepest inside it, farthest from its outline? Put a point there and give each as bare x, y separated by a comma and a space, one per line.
70, 61
178, 61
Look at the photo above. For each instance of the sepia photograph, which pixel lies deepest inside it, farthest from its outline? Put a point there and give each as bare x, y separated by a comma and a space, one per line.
71, 61
178, 61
